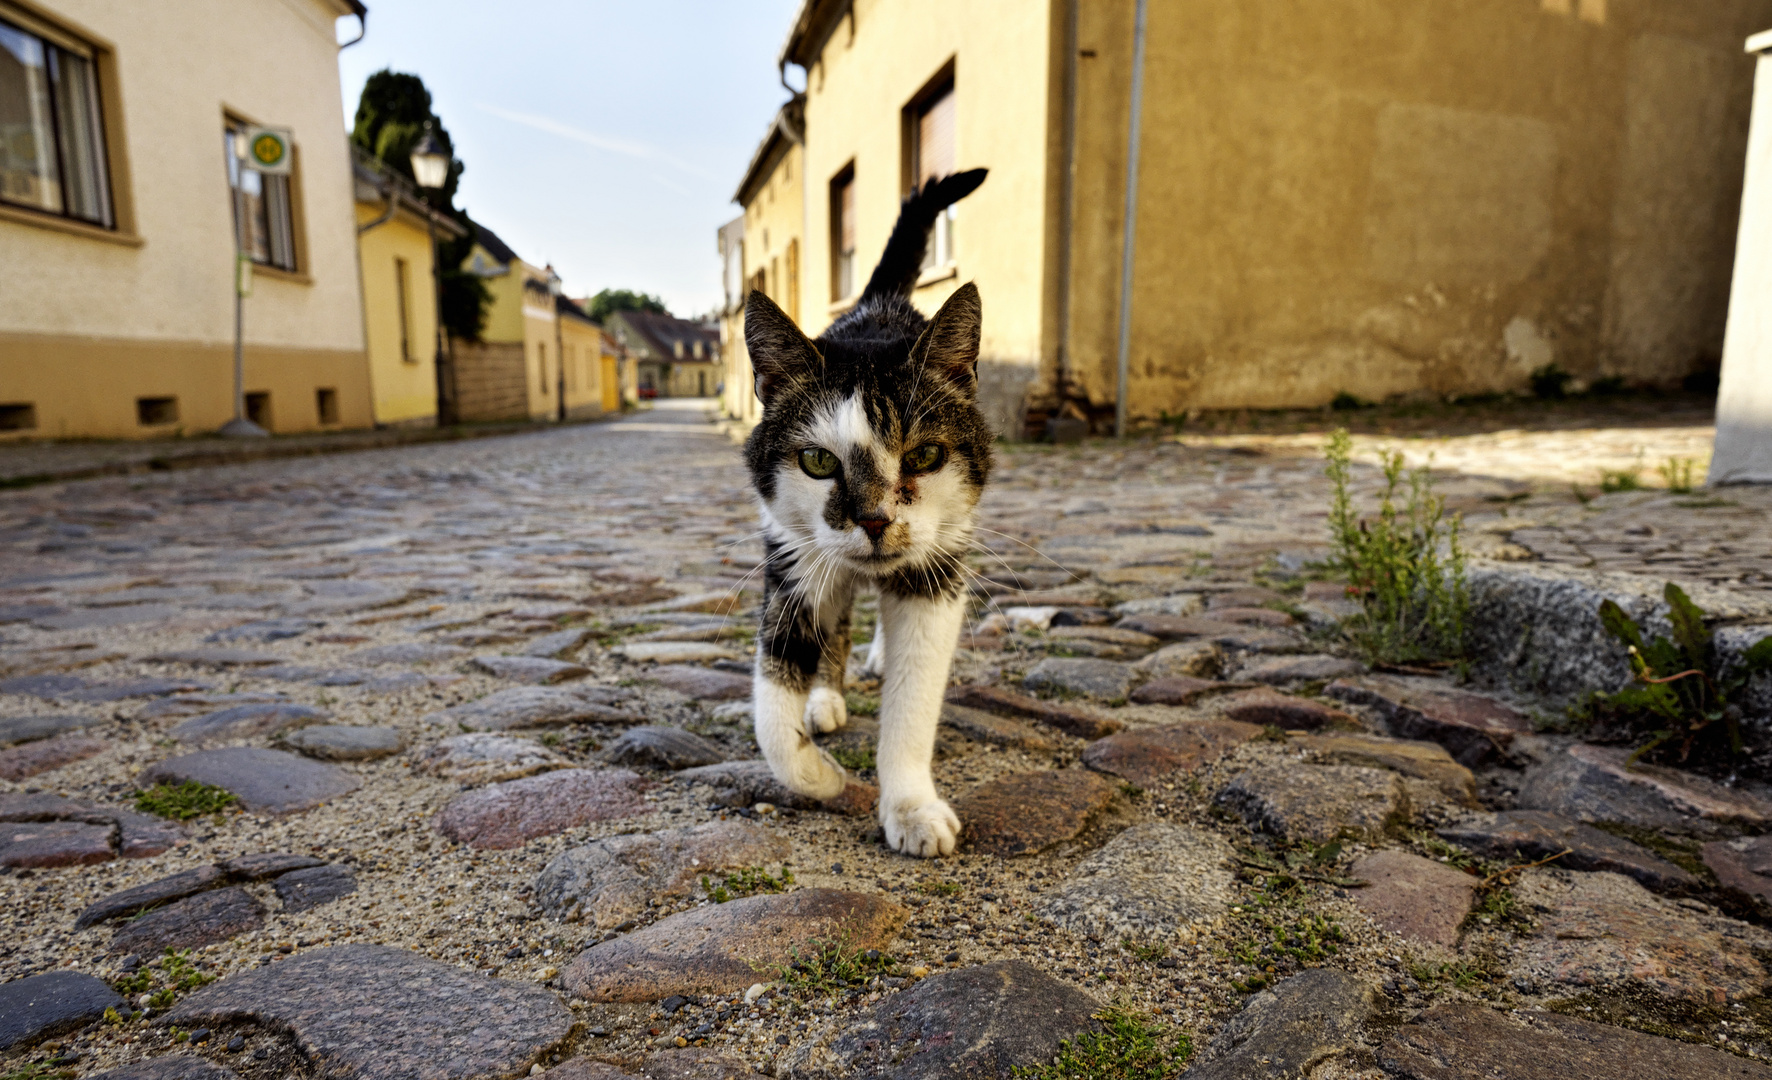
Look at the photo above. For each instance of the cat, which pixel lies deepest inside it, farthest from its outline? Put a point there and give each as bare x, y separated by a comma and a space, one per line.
868, 461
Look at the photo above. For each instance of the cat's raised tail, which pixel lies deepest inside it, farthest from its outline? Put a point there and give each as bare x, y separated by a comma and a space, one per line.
902, 260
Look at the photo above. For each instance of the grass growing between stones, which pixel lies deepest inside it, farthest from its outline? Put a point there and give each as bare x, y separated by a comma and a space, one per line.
1405, 565
853, 758
40, 1072
940, 888
860, 704
182, 802
1268, 939
176, 975
747, 882
832, 966
1128, 1047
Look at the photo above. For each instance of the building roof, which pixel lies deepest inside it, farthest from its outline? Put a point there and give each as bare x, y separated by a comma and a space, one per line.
374, 180
787, 129
567, 308
659, 335
497, 248
812, 27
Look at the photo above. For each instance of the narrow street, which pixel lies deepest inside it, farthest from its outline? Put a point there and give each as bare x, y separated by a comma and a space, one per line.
458, 689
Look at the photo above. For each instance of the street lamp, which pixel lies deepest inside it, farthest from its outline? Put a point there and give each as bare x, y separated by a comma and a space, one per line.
555, 289
430, 167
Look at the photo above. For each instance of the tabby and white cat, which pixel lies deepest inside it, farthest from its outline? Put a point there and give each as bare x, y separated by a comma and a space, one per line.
868, 462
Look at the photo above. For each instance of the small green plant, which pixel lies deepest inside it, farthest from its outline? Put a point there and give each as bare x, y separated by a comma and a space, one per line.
39, 1072
1306, 940
940, 888
1676, 475
185, 801
1128, 1047
1459, 973
747, 882
1614, 480
1681, 706
1406, 565
854, 758
1550, 382
861, 704
830, 966
139, 982
1145, 952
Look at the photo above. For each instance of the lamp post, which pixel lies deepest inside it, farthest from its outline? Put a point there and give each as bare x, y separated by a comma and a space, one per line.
555, 289
240, 427
430, 167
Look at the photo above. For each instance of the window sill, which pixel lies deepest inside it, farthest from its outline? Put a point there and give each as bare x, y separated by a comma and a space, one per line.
67, 225
294, 277
936, 274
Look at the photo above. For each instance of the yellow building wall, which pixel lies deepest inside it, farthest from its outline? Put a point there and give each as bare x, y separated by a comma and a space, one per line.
148, 310
585, 395
403, 386
774, 253
880, 57
1389, 197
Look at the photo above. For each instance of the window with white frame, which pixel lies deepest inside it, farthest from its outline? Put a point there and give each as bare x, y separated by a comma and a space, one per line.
264, 220
52, 136
932, 157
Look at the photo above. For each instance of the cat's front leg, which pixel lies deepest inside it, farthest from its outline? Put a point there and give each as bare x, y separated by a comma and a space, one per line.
790, 647
921, 634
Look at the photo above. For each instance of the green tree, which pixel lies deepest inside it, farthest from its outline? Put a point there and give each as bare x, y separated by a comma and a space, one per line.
391, 116
610, 301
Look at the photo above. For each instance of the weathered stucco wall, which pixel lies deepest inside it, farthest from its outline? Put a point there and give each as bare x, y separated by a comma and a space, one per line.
1392, 197
872, 67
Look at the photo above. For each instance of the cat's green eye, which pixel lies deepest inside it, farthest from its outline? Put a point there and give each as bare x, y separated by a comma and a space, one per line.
819, 463
925, 458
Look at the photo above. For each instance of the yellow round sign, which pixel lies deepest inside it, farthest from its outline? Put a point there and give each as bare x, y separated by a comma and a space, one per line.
268, 149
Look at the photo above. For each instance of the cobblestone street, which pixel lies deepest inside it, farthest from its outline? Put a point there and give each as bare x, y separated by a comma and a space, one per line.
484, 711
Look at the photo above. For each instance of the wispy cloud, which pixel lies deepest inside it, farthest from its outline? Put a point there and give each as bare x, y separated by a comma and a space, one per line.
642, 151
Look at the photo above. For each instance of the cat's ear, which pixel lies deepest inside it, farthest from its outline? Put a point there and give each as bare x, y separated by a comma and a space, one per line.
780, 354
949, 345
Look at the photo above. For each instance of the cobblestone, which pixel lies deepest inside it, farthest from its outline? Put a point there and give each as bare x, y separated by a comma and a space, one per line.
364, 586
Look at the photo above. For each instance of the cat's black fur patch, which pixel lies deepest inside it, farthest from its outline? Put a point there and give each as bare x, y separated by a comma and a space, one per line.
907, 372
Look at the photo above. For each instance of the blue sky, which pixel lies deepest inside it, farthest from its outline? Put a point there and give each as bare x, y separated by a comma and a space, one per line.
604, 137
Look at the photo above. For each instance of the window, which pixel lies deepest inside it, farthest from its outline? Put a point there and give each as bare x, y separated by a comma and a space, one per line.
18, 416
258, 408
264, 225
400, 301
930, 125
150, 411
541, 368
792, 286
843, 234
52, 141
326, 404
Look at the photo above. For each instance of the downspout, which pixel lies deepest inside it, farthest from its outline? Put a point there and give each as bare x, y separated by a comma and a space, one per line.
1067, 208
1126, 244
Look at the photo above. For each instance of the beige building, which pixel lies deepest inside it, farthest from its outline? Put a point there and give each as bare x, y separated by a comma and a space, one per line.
591, 372
513, 371
120, 196
394, 231
762, 249
672, 357
1387, 198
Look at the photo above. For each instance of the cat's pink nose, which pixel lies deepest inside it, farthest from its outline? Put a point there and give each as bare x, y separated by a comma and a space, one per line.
875, 527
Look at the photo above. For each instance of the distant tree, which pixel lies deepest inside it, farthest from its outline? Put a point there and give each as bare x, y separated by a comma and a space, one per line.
391, 116
610, 301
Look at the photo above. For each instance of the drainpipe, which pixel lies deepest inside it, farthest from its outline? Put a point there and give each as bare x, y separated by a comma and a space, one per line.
1067, 207
1126, 245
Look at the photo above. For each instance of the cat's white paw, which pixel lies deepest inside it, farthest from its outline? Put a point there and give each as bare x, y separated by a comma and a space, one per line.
925, 830
825, 711
813, 772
